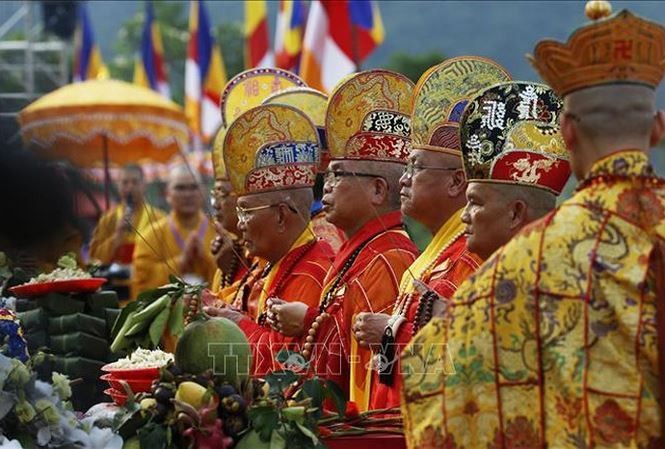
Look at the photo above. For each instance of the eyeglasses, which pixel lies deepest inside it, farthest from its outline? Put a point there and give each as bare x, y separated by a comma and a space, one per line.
244, 213
411, 169
185, 187
332, 177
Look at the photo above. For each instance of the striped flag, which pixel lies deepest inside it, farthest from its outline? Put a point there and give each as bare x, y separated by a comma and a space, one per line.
288, 35
205, 75
88, 63
340, 34
149, 68
257, 44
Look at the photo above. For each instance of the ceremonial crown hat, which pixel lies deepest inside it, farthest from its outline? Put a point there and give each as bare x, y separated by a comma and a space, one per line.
271, 147
510, 134
242, 92
368, 117
313, 104
440, 96
621, 48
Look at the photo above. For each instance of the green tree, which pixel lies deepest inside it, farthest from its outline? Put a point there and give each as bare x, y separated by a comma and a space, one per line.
173, 23
413, 65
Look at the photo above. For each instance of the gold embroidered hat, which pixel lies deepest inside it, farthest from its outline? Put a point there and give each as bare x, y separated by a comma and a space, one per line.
622, 48
249, 88
510, 134
313, 104
368, 117
440, 96
271, 147
217, 154
245, 91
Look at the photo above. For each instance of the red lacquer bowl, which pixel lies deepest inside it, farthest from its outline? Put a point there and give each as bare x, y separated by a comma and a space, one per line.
63, 286
118, 397
137, 385
131, 373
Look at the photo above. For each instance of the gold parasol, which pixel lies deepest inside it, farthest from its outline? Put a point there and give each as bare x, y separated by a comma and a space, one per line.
104, 121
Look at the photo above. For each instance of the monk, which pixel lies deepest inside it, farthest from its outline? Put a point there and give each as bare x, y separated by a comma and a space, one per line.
448, 372
227, 247
178, 243
115, 235
361, 197
433, 192
274, 220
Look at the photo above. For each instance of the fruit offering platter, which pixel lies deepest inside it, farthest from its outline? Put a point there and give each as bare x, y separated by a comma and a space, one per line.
66, 278
134, 374
205, 397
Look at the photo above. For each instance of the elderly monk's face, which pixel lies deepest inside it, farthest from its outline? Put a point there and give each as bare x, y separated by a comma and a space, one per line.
184, 194
423, 184
224, 203
258, 226
344, 195
487, 219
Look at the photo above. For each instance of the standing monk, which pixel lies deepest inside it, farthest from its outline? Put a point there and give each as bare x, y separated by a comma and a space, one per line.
271, 153
179, 243
433, 187
115, 235
563, 322
367, 125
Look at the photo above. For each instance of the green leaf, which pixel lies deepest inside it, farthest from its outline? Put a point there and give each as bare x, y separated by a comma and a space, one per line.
153, 436
149, 296
158, 325
296, 414
177, 317
280, 380
308, 433
335, 393
313, 388
123, 317
175, 280
277, 441
283, 355
264, 421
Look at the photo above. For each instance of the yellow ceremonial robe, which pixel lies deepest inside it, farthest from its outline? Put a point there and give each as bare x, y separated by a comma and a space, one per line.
552, 343
156, 255
101, 245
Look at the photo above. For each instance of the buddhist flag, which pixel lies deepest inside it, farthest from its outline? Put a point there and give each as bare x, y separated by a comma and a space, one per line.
88, 63
257, 44
288, 35
340, 34
149, 69
205, 75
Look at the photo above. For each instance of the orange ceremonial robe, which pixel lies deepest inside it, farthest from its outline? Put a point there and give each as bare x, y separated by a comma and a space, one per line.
370, 284
328, 231
451, 265
298, 276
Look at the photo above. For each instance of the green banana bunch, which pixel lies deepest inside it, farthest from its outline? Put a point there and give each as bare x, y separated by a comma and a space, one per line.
142, 322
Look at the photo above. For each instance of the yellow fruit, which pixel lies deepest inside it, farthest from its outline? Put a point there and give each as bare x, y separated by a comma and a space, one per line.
132, 443
191, 393
148, 403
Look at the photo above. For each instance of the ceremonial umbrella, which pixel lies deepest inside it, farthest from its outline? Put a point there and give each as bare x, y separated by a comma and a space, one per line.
104, 121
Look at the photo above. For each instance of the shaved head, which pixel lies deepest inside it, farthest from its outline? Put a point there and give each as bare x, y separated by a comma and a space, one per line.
600, 120
614, 113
